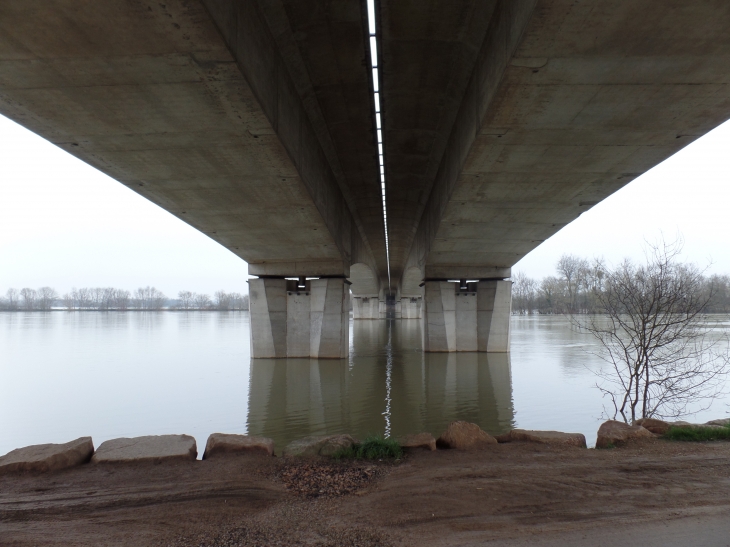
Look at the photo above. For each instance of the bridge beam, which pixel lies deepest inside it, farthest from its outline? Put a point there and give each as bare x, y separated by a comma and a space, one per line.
467, 316
292, 318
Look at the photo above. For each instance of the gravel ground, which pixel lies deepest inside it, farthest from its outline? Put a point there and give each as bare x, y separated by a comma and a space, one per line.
511, 494
312, 479
301, 521
297, 523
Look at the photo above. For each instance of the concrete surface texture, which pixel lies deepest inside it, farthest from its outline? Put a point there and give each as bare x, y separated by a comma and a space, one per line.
47, 457
470, 318
503, 120
411, 307
548, 437
288, 320
226, 443
322, 445
365, 307
151, 448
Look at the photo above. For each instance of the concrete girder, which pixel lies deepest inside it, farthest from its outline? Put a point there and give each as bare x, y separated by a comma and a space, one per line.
566, 104
191, 105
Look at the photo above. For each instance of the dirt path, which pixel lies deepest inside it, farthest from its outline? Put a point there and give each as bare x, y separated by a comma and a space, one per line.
513, 494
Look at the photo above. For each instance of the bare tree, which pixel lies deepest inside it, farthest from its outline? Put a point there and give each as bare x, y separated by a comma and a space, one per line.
552, 295
46, 296
523, 293
68, 301
149, 298
655, 338
30, 296
120, 299
13, 297
239, 301
222, 300
201, 301
83, 298
186, 299
157, 299
573, 270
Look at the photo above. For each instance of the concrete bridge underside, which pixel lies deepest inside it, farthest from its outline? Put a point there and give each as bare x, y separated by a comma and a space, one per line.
253, 121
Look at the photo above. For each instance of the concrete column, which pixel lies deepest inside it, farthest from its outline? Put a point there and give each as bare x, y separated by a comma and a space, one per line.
474, 318
292, 321
365, 307
411, 307
494, 308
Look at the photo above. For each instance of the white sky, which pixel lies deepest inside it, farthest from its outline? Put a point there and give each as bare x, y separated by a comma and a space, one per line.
64, 224
688, 194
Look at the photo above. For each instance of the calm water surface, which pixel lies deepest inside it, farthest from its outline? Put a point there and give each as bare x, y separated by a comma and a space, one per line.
68, 374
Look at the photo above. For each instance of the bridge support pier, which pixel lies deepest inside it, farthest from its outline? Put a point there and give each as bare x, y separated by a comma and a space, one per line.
411, 307
467, 316
365, 307
299, 318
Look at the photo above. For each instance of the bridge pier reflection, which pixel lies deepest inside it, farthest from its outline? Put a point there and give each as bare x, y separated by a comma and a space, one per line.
388, 385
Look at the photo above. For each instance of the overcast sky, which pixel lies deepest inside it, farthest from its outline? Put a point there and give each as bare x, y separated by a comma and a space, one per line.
64, 224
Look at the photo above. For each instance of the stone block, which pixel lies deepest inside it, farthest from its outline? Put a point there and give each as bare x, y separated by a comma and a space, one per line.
658, 427
222, 443
47, 457
614, 433
465, 436
322, 445
152, 448
557, 438
417, 441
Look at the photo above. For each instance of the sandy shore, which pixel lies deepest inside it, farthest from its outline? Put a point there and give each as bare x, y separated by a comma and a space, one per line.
512, 494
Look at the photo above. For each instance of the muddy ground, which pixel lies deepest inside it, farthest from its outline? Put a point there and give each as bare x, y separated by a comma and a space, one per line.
511, 494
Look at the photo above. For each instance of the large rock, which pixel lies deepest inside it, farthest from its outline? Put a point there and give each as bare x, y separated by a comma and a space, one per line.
613, 433
47, 457
723, 422
465, 436
152, 448
659, 427
504, 437
324, 445
417, 441
223, 443
555, 438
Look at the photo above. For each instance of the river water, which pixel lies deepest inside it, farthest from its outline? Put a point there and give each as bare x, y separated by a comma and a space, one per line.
107, 374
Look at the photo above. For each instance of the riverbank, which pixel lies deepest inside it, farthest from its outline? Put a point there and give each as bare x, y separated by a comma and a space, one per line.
513, 492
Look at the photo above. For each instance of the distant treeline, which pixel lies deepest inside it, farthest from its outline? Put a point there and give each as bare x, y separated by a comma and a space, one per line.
575, 290
109, 298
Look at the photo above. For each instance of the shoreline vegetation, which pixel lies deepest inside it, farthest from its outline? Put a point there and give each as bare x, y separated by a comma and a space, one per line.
111, 299
577, 287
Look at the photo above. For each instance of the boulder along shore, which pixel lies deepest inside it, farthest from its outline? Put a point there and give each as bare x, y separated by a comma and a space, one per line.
526, 488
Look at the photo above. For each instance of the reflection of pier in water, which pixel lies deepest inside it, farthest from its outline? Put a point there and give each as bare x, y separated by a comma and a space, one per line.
388, 385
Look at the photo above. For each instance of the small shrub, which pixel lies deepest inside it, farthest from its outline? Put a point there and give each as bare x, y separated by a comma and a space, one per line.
372, 448
697, 434
379, 448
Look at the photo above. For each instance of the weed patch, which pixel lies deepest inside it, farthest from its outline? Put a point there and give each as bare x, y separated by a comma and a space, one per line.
697, 434
372, 448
